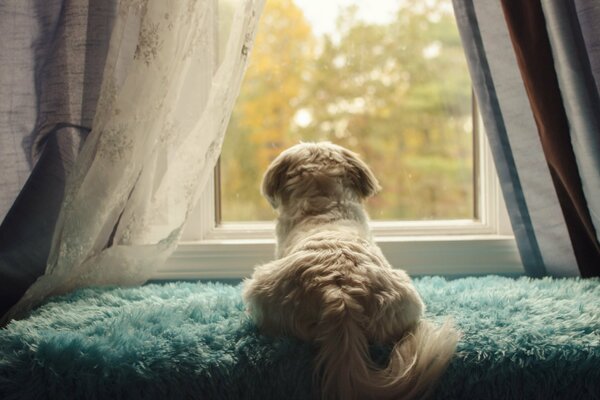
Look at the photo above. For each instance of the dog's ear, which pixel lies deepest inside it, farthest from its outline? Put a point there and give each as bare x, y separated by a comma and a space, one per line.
360, 175
274, 179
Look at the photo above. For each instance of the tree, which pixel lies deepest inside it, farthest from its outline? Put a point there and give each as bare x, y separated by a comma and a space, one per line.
397, 93
260, 126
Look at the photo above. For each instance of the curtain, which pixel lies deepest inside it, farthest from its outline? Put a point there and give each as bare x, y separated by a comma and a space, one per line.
172, 73
535, 68
52, 55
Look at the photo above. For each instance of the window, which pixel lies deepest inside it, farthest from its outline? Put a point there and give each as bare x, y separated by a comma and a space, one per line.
387, 80
391, 84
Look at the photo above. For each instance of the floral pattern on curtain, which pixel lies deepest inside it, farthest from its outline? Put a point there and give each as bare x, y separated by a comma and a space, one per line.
52, 57
172, 74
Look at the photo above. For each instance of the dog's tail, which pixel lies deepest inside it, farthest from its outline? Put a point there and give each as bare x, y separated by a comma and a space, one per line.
344, 364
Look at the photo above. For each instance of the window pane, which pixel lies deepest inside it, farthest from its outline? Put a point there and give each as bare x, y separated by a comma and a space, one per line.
385, 79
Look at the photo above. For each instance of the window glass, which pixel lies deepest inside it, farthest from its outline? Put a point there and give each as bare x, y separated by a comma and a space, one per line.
387, 79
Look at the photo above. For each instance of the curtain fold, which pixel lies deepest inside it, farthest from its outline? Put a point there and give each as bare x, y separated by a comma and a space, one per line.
26, 232
532, 137
527, 27
172, 74
52, 55
580, 95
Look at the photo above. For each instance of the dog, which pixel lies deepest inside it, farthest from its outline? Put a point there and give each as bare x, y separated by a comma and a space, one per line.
331, 285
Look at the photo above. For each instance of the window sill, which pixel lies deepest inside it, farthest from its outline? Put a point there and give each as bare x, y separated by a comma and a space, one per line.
448, 255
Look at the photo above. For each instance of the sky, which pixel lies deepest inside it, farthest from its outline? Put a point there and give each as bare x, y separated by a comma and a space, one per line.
322, 14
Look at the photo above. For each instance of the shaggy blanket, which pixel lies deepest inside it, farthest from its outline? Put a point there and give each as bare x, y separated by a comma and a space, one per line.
522, 339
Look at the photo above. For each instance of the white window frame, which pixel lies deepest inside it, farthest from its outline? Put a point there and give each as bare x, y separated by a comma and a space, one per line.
451, 248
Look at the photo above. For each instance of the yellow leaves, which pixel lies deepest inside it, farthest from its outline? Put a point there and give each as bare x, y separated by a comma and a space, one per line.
367, 87
274, 77
266, 105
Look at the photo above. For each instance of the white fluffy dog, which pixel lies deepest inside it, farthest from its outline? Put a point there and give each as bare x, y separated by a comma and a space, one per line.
331, 284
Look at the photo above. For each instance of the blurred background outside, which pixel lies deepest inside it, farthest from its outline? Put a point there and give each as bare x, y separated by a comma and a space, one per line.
387, 79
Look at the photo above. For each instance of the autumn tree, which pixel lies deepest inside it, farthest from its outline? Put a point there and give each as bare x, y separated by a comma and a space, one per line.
260, 126
397, 93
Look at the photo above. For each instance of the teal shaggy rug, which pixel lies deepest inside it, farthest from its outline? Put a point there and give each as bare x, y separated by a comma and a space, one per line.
522, 339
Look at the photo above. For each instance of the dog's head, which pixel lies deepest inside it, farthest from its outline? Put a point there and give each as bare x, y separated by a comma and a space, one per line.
317, 170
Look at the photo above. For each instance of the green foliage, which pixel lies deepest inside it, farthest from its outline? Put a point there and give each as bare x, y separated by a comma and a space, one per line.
399, 94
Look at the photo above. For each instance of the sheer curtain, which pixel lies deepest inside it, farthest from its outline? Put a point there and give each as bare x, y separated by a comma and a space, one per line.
173, 71
52, 57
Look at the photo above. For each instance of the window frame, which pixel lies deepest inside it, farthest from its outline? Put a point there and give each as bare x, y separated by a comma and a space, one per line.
484, 245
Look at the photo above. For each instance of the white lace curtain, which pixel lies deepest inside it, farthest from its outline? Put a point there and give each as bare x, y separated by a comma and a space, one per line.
172, 75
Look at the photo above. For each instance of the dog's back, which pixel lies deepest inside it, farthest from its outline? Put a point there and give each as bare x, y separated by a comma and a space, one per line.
331, 284
336, 289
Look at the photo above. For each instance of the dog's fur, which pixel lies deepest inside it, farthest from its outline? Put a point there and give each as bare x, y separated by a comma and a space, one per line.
331, 284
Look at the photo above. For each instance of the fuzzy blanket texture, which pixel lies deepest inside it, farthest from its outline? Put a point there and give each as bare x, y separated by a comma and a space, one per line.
522, 339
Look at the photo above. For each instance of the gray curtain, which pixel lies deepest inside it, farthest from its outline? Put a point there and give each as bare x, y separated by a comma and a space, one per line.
52, 55
574, 32
535, 68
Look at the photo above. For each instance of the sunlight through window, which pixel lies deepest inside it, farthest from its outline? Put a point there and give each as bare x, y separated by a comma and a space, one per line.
387, 79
